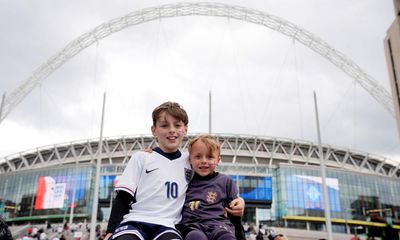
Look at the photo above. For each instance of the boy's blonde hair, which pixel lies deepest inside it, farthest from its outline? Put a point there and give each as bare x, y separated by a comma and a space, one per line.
211, 143
173, 109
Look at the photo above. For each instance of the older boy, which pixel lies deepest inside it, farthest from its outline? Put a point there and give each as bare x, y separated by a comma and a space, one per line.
151, 190
204, 215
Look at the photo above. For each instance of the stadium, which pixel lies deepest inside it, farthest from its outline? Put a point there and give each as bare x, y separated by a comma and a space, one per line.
279, 179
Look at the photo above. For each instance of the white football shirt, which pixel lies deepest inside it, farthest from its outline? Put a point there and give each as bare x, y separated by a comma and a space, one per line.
159, 186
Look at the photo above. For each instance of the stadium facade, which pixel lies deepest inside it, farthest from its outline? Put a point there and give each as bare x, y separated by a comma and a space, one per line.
278, 178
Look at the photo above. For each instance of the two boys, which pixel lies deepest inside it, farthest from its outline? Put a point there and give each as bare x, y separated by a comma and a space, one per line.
152, 189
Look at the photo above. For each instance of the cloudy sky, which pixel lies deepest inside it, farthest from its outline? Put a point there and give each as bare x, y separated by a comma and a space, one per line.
262, 82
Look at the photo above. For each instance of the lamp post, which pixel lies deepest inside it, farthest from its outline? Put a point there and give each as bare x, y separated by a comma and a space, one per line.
328, 222
97, 178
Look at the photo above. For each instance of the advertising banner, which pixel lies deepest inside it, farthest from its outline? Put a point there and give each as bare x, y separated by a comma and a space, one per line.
49, 194
306, 192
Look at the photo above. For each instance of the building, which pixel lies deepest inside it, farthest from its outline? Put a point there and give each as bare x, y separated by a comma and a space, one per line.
392, 52
278, 178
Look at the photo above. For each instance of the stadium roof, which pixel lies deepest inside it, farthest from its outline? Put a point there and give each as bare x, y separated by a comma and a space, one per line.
236, 150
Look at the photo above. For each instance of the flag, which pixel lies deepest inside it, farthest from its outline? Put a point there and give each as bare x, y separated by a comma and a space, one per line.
49, 194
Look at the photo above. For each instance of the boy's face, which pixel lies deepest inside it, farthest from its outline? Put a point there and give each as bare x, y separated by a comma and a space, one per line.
202, 160
169, 132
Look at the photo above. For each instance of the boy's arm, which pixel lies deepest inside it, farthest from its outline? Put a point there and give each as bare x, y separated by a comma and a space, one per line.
237, 224
120, 207
235, 213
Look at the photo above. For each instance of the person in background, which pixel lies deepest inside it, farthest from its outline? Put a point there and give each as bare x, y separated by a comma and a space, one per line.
5, 233
42, 234
280, 236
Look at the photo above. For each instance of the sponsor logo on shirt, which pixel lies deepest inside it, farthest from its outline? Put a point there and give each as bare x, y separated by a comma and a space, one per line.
194, 205
149, 171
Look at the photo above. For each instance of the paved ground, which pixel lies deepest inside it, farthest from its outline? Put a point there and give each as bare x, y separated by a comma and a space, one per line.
293, 234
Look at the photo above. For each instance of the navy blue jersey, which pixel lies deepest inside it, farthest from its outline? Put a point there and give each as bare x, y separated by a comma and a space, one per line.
206, 199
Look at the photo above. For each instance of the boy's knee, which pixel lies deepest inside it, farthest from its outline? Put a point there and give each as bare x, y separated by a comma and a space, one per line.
196, 235
169, 236
224, 235
127, 237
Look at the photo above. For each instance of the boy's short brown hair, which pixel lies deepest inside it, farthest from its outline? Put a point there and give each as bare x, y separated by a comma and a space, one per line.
211, 143
173, 109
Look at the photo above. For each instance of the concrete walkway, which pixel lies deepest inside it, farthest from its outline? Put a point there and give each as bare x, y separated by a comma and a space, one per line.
293, 234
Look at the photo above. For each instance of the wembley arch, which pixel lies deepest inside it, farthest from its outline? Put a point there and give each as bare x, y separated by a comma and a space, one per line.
338, 59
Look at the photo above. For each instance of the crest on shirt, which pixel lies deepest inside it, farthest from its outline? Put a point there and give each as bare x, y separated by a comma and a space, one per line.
188, 174
212, 197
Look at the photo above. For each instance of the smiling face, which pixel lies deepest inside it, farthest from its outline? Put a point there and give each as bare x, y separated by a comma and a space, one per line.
203, 158
169, 132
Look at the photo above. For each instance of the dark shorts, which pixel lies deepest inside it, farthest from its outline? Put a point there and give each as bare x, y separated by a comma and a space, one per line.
146, 231
213, 231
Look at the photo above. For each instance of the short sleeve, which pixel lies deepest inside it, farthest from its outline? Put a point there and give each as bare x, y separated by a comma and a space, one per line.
232, 190
130, 178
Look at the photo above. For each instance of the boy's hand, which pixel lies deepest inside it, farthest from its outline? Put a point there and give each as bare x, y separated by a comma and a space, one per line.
148, 150
107, 236
236, 207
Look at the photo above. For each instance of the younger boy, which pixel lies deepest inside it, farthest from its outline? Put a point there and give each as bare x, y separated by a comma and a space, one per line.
204, 215
151, 190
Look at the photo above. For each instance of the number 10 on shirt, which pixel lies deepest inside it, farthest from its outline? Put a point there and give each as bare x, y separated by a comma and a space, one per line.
172, 189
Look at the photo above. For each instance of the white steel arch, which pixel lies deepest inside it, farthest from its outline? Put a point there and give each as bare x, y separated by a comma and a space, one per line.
287, 28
